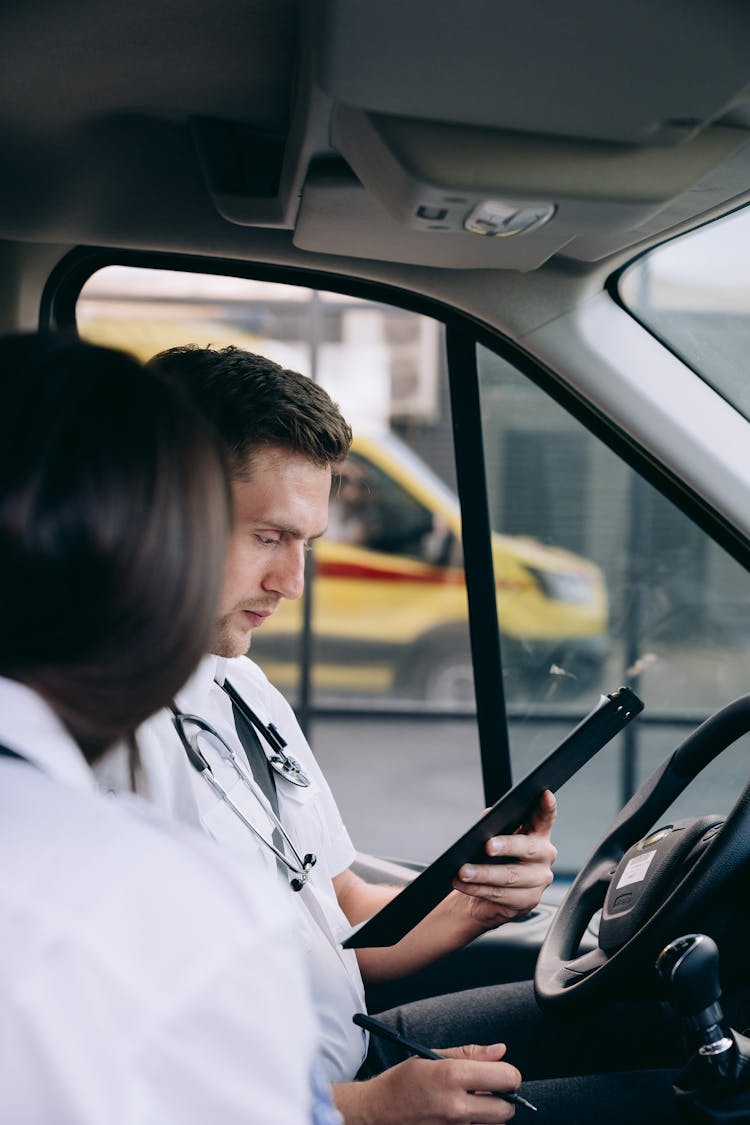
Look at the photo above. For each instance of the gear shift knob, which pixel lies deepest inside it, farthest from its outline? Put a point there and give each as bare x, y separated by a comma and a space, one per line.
689, 969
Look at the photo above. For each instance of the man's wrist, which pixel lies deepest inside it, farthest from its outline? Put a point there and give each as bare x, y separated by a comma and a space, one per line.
352, 1101
360, 1103
474, 918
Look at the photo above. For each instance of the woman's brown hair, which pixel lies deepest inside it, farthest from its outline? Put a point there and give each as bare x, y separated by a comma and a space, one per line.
114, 515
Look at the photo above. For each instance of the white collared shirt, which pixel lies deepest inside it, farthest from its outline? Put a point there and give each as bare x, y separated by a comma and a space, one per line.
140, 984
309, 816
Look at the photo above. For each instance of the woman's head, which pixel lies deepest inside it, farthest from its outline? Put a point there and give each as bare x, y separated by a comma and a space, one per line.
114, 514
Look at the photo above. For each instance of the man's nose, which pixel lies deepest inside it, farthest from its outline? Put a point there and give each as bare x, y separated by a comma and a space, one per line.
287, 576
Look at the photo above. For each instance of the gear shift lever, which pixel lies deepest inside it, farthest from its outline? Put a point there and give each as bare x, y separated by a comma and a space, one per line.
689, 968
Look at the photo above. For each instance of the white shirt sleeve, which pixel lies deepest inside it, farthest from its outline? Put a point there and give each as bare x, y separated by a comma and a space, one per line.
234, 1051
228, 1050
141, 982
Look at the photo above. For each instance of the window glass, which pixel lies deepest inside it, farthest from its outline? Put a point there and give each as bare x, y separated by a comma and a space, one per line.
600, 580
694, 293
370, 509
387, 601
609, 584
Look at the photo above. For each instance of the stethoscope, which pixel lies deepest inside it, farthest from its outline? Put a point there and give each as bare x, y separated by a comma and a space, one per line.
298, 865
284, 765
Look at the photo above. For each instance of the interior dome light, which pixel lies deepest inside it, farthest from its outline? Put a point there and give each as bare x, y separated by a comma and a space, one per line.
501, 219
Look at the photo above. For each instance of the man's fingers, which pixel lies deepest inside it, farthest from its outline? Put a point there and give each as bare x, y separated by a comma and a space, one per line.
505, 874
497, 892
516, 897
491, 1052
545, 811
532, 841
509, 903
526, 850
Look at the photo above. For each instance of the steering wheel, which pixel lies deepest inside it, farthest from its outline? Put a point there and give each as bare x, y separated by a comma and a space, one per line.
650, 889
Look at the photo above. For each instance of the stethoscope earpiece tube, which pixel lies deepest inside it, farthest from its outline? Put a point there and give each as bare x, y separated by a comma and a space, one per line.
284, 765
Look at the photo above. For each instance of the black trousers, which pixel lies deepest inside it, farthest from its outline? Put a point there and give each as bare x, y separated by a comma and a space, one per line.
617, 1067
625, 1037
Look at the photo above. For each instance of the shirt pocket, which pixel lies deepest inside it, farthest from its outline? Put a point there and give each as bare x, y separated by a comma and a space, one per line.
301, 813
224, 826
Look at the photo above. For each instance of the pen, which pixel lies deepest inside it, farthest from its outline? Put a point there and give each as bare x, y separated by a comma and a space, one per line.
378, 1028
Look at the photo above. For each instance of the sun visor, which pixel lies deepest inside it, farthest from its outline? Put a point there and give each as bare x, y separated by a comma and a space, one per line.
640, 73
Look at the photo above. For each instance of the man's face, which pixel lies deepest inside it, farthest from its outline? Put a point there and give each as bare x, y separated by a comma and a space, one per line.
278, 510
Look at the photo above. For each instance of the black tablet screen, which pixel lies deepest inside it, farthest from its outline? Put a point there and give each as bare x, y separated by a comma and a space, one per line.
389, 925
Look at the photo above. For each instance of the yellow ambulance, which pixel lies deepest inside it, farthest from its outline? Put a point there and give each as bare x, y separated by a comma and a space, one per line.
389, 609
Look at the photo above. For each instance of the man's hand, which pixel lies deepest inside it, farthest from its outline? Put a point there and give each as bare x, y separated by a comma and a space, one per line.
501, 891
490, 894
423, 1092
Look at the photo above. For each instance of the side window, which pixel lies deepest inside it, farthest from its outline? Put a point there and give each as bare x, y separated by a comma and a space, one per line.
618, 587
599, 580
388, 641
354, 515
371, 509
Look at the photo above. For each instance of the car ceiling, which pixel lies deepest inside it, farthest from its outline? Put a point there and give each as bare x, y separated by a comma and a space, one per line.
323, 127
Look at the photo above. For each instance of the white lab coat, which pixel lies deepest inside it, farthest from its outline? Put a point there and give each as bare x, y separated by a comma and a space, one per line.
140, 984
309, 815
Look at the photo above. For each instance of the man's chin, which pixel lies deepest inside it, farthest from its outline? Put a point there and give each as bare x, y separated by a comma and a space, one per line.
231, 642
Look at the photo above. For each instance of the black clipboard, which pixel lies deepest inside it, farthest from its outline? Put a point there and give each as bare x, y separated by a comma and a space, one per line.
611, 714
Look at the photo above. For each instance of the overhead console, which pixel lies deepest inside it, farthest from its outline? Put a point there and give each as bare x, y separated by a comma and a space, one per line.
491, 185
494, 136
513, 134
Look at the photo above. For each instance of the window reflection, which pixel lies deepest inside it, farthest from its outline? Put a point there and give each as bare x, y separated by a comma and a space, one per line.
370, 509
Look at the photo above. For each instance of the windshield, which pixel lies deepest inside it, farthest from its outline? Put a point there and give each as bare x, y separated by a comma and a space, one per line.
694, 293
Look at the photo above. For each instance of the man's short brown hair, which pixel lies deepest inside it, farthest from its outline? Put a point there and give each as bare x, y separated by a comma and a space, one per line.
255, 403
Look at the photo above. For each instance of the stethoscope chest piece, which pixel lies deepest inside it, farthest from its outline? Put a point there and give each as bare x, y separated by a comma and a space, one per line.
284, 764
290, 769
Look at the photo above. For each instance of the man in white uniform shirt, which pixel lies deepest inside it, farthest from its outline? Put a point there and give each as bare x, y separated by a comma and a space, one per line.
284, 435
309, 816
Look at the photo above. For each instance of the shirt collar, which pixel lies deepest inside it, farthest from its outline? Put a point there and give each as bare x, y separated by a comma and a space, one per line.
193, 697
220, 671
31, 728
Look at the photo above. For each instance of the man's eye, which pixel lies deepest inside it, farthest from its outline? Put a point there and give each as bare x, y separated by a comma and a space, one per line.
266, 540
